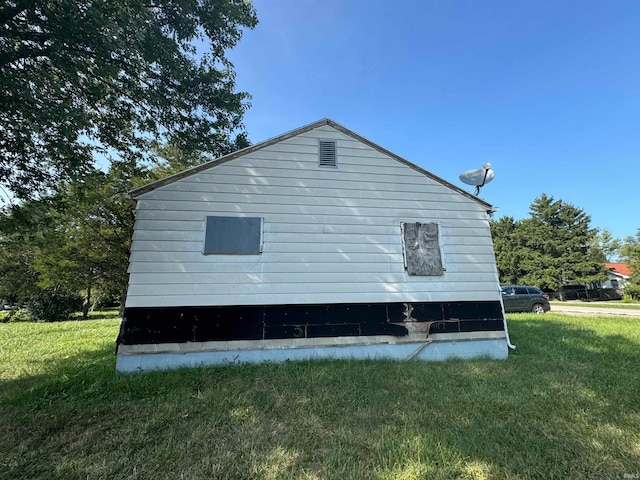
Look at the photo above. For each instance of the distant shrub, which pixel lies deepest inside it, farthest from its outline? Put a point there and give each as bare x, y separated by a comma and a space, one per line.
632, 291
52, 305
17, 315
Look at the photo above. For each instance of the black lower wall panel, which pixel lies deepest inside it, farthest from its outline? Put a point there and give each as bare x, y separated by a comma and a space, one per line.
146, 325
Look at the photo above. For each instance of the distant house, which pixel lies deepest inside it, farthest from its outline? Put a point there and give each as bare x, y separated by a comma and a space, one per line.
618, 274
316, 243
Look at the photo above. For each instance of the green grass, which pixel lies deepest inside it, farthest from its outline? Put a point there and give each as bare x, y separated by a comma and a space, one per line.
566, 404
609, 304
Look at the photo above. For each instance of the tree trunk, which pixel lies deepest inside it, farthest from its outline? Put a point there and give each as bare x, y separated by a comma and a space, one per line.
87, 302
123, 299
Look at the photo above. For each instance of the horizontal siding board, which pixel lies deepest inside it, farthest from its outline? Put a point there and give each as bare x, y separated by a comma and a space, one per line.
156, 227
328, 247
311, 186
307, 298
168, 235
467, 249
443, 217
330, 238
320, 228
300, 288
273, 237
307, 257
295, 262
345, 281
272, 267
438, 211
349, 160
178, 225
329, 197
328, 134
263, 176
487, 258
293, 149
277, 247
295, 267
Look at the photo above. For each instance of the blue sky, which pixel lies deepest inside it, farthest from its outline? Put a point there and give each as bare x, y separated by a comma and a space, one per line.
547, 92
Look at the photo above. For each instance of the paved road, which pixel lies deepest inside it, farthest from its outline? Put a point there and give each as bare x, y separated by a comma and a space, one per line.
599, 311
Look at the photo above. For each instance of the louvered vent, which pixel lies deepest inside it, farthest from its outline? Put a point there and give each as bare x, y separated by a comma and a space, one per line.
328, 153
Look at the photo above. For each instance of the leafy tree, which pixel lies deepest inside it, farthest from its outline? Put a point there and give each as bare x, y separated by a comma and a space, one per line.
169, 159
608, 245
554, 246
81, 78
630, 253
18, 277
19, 234
78, 239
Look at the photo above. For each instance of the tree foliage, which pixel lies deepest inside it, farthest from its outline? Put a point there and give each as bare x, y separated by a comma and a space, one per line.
52, 305
18, 277
554, 246
608, 245
630, 253
80, 78
507, 250
76, 240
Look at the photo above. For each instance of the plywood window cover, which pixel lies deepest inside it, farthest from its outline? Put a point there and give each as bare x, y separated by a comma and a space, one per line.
327, 154
226, 235
421, 246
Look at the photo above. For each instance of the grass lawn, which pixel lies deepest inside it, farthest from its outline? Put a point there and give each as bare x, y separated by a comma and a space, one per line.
609, 304
566, 404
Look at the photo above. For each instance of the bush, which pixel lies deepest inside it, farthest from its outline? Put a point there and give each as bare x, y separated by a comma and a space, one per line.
632, 290
52, 305
17, 315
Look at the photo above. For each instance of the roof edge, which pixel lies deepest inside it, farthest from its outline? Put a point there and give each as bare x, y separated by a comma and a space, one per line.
227, 158
409, 164
292, 133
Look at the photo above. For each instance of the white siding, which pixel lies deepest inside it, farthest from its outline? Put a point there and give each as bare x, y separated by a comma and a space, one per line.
330, 235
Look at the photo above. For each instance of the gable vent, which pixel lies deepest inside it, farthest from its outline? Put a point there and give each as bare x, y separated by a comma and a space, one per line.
327, 153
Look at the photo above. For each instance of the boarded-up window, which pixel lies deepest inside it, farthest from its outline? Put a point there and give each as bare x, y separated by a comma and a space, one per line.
233, 236
422, 249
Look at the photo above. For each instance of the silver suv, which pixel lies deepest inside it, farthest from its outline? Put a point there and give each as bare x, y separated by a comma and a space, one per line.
523, 298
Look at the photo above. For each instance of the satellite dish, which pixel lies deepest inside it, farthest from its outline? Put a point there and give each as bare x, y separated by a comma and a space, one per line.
478, 177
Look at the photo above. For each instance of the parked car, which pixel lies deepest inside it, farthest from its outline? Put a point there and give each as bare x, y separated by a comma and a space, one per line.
523, 298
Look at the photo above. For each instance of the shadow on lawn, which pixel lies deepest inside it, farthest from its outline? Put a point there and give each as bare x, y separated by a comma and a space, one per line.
58, 373
565, 404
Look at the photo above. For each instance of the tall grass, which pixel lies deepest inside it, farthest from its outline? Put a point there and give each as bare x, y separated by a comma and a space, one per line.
566, 404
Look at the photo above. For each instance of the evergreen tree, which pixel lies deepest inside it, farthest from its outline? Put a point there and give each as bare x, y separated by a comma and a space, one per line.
507, 249
554, 246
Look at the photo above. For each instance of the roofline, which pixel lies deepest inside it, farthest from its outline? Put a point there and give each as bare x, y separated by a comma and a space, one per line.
618, 274
285, 136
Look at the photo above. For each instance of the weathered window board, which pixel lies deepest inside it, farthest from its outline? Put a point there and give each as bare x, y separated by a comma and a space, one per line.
422, 249
233, 236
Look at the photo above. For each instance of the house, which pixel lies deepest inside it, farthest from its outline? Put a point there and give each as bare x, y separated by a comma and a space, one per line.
618, 274
315, 243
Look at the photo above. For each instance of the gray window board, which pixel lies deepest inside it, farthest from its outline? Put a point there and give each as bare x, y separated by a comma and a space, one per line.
233, 236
